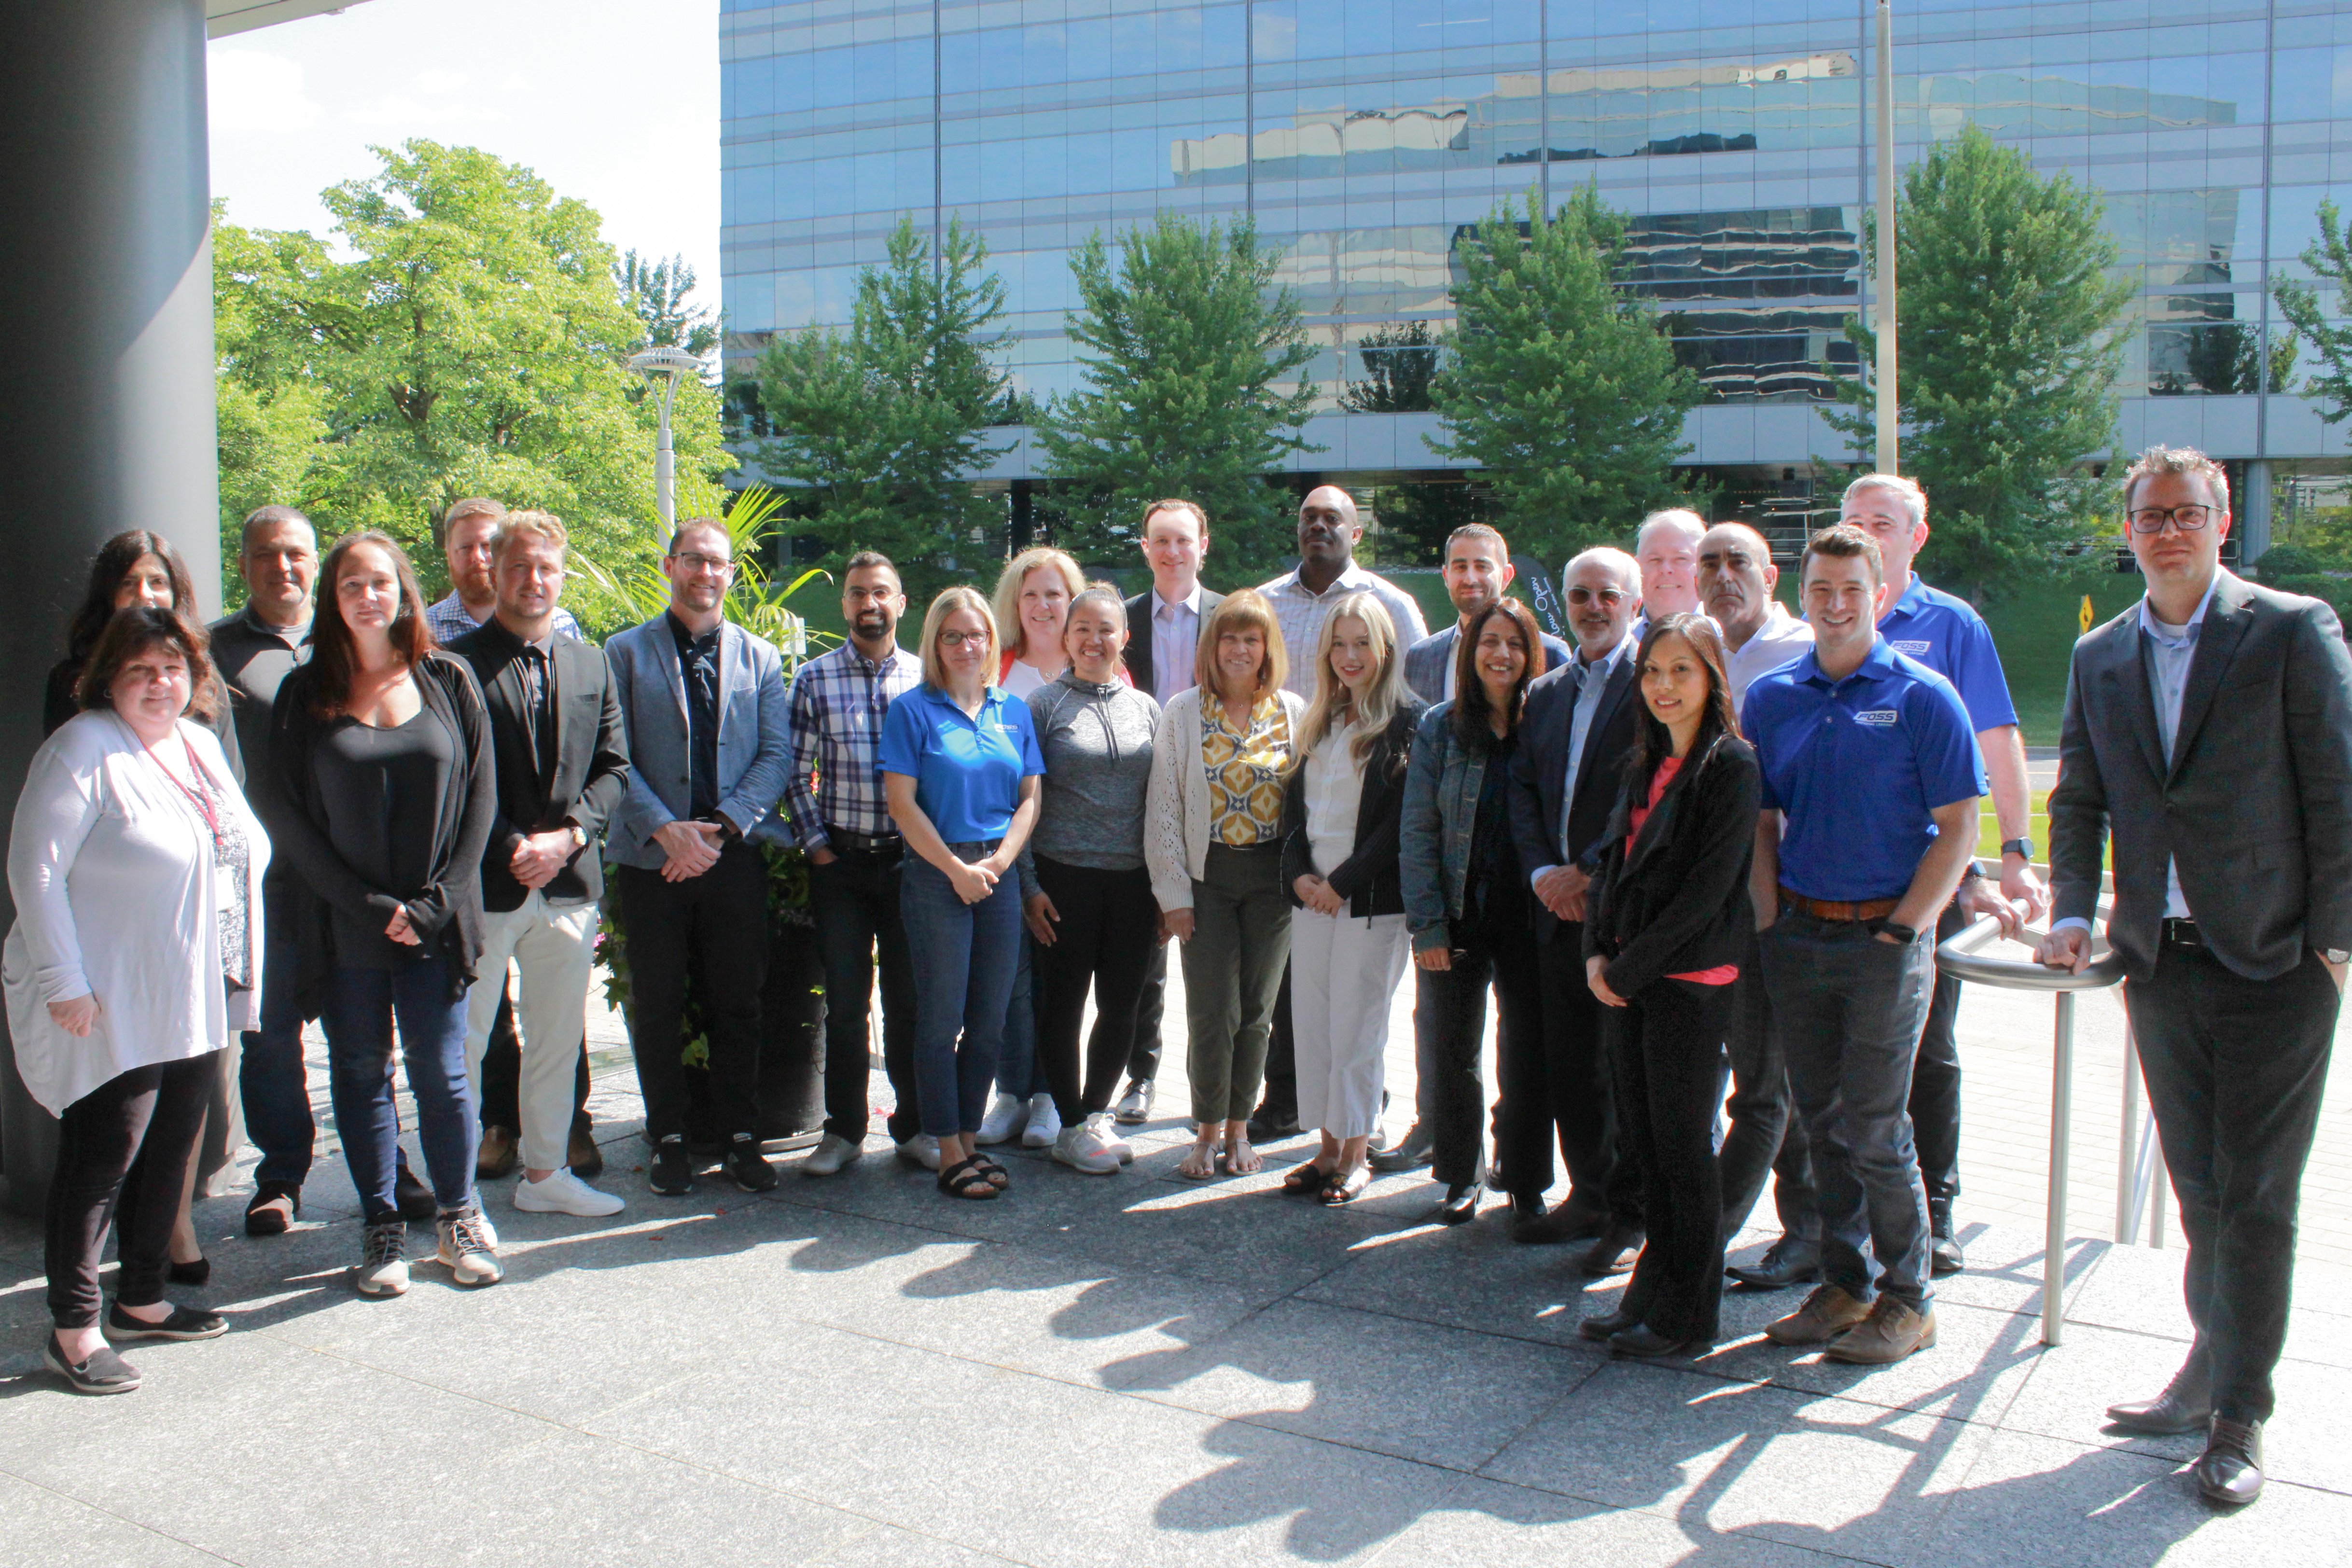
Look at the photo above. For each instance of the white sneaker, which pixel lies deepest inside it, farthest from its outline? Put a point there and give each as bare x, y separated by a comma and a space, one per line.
1082, 1149
1104, 1125
563, 1193
832, 1153
922, 1149
1005, 1118
384, 1259
470, 1249
1045, 1123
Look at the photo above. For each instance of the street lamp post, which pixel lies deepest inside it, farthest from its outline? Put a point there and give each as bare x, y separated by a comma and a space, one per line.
662, 366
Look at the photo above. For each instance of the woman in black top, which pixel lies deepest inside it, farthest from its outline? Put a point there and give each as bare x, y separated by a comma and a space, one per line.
1664, 928
382, 796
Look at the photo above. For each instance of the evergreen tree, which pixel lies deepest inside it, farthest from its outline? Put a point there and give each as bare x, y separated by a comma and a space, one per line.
1183, 348
659, 292
2007, 319
881, 427
1562, 387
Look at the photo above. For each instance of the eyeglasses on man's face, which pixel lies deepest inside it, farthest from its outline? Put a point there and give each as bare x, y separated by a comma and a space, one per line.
1609, 598
695, 560
2187, 520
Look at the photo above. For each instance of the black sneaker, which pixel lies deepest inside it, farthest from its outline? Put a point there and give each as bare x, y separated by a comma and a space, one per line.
263, 1216
746, 1166
103, 1372
411, 1197
672, 1175
185, 1322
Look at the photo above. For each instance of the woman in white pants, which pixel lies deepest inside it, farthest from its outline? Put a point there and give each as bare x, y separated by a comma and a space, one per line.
1348, 937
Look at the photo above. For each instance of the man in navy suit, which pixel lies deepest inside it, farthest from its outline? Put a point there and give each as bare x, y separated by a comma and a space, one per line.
1477, 570
1574, 736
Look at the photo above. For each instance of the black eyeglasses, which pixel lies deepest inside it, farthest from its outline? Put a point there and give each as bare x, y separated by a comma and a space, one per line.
2187, 520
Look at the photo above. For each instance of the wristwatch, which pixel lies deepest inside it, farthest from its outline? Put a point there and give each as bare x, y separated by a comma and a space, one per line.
2024, 847
579, 836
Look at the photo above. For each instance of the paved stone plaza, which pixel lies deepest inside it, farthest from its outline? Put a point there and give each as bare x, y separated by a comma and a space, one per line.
1142, 1370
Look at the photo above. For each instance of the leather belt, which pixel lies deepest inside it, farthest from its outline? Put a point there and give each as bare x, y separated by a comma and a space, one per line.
1833, 909
845, 842
2183, 933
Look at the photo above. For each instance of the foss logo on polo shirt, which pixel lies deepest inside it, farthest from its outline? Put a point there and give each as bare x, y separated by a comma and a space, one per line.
1911, 651
1881, 715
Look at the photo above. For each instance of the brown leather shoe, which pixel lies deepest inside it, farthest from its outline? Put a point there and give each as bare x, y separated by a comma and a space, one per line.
498, 1156
582, 1153
1893, 1330
2229, 1470
2185, 1406
1828, 1313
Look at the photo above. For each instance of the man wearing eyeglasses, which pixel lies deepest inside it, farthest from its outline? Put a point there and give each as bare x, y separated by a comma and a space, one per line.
1574, 733
708, 714
2209, 729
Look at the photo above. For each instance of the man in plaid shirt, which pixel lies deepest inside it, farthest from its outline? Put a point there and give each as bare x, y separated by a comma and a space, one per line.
466, 530
839, 816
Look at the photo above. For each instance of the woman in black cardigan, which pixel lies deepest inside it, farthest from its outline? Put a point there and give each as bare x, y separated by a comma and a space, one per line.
1662, 941
1348, 939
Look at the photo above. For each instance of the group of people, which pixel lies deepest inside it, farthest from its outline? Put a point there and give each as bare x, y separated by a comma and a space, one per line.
1699, 840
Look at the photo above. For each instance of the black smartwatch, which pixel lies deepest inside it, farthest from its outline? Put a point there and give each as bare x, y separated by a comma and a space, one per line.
2024, 847
1900, 932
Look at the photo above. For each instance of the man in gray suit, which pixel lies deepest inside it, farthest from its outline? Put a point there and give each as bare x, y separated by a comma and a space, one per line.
2210, 729
1477, 570
708, 714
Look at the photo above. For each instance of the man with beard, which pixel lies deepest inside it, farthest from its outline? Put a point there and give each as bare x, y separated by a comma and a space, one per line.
838, 814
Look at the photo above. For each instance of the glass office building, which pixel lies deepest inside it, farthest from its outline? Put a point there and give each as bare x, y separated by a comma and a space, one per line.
1365, 136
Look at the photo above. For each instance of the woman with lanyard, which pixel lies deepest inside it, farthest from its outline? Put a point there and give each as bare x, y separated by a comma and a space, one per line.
1092, 917
959, 765
1665, 920
136, 869
1466, 901
1212, 842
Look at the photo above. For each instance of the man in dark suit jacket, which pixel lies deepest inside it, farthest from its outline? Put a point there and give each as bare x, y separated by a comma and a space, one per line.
563, 766
2210, 729
1477, 570
1574, 736
1163, 632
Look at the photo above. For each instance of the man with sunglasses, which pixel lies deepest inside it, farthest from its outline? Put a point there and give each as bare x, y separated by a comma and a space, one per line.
708, 714
1574, 733
2209, 728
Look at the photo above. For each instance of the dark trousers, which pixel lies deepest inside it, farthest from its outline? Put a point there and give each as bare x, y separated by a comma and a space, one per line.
1280, 1105
129, 1138
855, 902
1150, 1008
1666, 1047
2235, 1070
1560, 1092
1935, 1078
502, 1074
1765, 1136
965, 955
718, 924
1105, 941
271, 1078
423, 1002
1449, 1021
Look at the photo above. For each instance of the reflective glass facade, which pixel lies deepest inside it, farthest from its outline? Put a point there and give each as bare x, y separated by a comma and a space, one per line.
1364, 136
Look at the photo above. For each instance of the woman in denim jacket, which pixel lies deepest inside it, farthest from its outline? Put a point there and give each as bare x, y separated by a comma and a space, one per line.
1466, 901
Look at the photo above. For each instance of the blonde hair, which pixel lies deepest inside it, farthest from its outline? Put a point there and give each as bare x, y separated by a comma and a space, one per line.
1241, 611
537, 525
1334, 703
949, 601
1008, 590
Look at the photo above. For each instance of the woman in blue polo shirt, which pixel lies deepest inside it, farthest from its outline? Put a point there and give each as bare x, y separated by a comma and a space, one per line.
959, 765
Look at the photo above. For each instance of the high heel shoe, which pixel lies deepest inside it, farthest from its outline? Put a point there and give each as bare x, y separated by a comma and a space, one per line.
195, 1273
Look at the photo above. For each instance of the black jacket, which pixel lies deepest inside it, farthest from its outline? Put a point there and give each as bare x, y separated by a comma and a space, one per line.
449, 913
1679, 903
591, 760
1539, 772
1139, 657
1370, 878
253, 659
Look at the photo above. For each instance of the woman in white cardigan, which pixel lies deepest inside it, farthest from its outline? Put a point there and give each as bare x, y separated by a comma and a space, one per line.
1212, 842
136, 868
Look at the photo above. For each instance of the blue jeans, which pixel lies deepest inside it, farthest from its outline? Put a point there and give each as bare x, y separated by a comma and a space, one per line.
1017, 1073
965, 955
271, 1079
1850, 1008
361, 1004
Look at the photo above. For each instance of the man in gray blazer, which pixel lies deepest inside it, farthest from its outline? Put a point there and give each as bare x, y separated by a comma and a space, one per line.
2210, 729
1477, 569
708, 714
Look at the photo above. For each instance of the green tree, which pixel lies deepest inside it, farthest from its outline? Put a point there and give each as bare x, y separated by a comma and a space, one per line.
271, 400
659, 292
1184, 346
1398, 364
2330, 260
2008, 317
879, 429
1561, 386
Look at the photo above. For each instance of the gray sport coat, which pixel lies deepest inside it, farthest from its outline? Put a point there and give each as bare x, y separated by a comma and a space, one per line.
754, 734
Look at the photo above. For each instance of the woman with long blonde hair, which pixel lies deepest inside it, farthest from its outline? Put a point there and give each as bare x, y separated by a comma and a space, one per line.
1031, 604
1348, 938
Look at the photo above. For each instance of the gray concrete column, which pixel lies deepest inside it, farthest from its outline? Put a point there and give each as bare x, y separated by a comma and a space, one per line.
106, 395
2254, 508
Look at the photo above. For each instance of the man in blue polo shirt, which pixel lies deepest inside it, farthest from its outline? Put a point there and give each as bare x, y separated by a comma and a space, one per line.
1946, 633
1870, 764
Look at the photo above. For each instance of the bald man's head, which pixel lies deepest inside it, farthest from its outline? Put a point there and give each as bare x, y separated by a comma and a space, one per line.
1735, 578
1668, 548
1327, 531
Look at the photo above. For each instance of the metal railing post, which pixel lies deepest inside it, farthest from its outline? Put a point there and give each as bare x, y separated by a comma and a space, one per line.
2127, 1154
2062, 1107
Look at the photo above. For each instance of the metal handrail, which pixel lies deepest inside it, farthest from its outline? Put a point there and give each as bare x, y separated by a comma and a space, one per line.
1957, 956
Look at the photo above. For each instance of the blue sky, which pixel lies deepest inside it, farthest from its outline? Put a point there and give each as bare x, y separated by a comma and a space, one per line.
613, 102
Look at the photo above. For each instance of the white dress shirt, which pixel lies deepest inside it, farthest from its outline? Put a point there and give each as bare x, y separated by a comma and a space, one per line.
1781, 639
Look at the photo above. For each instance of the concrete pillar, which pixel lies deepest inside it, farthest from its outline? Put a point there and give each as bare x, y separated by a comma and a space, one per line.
2253, 523
106, 398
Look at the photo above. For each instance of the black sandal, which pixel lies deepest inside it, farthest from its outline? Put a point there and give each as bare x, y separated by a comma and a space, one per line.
996, 1176
1339, 1188
963, 1179
1304, 1179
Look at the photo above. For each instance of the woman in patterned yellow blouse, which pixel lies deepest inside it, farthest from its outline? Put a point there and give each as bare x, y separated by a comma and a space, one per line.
1213, 842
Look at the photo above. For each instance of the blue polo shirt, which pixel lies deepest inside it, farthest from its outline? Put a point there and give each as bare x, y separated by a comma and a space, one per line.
1944, 632
1858, 768
967, 770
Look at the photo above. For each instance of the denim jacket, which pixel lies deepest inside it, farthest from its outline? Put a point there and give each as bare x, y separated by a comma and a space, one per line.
1439, 828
